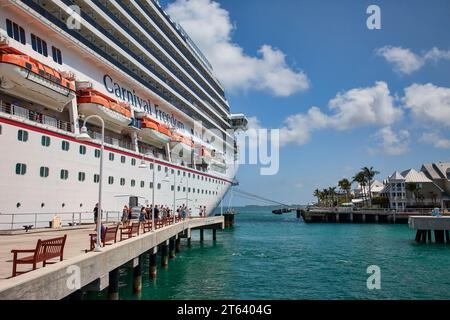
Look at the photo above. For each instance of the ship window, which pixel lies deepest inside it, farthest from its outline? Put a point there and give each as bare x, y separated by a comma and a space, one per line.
142, 184
184, 189
166, 170
45, 141
133, 183
64, 175
22, 135
110, 180
178, 188
172, 171
159, 168
96, 178
65, 145
43, 172
133, 162
179, 172
189, 175
172, 187
159, 186
15, 31
122, 181
189, 189
111, 156
97, 153
151, 166
193, 190
39, 45
0, 129
122, 159
81, 176
21, 169
57, 57
82, 150
151, 185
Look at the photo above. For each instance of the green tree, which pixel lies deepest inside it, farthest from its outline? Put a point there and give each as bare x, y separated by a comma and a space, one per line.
345, 186
360, 178
369, 174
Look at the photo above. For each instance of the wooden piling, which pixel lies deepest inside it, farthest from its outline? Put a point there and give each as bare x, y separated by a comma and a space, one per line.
177, 244
214, 234
113, 289
152, 263
172, 248
164, 255
137, 275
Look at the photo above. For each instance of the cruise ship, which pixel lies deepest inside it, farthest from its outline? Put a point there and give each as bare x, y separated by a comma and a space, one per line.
66, 66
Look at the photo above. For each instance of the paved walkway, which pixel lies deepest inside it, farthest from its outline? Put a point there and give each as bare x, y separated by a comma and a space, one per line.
76, 243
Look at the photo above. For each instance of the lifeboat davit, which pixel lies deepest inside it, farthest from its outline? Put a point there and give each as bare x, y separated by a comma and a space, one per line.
203, 154
181, 146
23, 76
154, 132
92, 102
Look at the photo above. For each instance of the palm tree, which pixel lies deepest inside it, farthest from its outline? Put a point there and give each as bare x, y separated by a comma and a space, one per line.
345, 186
325, 196
369, 173
317, 195
332, 192
360, 178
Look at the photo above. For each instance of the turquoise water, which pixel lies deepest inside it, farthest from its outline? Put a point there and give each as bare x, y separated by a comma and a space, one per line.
267, 256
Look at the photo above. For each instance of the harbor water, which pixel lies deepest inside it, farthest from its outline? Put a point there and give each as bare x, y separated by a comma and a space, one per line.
268, 256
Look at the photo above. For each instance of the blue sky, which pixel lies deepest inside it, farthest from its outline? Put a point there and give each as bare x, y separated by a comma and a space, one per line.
328, 50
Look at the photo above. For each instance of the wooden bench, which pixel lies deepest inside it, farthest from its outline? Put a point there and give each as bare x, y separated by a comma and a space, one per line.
130, 231
147, 226
159, 223
110, 234
45, 250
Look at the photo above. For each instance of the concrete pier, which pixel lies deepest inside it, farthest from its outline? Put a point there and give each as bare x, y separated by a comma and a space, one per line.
51, 282
426, 226
331, 215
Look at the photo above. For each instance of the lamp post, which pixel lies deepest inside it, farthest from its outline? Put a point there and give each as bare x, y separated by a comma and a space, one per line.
84, 136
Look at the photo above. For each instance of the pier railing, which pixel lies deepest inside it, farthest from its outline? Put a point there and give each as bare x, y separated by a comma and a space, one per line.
419, 211
18, 221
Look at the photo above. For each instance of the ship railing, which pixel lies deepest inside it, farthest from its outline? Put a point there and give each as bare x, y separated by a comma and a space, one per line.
34, 116
39, 220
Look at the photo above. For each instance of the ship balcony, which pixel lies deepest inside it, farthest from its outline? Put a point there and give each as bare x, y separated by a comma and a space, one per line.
17, 111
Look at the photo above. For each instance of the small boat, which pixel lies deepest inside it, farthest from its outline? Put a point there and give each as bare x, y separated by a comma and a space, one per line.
281, 211
92, 102
181, 146
23, 76
154, 132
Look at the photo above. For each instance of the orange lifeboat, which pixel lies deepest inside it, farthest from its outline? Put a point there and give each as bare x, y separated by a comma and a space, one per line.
181, 145
23, 76
154, 131
92, 102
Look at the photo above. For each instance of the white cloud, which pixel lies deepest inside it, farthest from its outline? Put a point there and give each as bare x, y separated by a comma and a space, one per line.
405, 61
353, 108
428, 103
435, 139
210, 27
390, 142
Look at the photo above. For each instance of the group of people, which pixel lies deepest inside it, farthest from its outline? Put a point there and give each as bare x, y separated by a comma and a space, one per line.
160, 212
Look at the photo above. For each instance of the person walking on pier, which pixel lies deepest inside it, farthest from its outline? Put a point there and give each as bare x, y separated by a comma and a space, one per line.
125, 213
